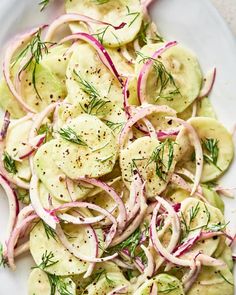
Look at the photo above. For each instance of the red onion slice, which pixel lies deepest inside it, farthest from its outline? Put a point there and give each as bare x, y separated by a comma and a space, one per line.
208, 83
22, 249
103, 54
91, 233
198, 151
141, 113
74, 17
73, 250
122, 217
14, 237
13, 205
154, 289
127, 107
189, 279
11, 50
166, 252
143, 75
49, 218
134, 224
150, 268
85, 220
119, 290
6, 122
33, 146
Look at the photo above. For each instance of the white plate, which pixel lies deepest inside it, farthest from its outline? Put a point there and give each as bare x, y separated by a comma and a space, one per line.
194, 23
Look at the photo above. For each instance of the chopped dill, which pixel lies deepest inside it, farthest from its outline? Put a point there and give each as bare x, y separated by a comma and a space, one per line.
9, 163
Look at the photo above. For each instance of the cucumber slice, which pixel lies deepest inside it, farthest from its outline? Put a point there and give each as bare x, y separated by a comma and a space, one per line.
67, 264
49, 87
102, 268
207, 129
16, 140
90, 83
39, 284
204, 109
140, 155
106, 281
226, 256
112, 12
97, 154
166, 284
219, 281
8, 102
178, 63
53, 177
196, 215
213, 198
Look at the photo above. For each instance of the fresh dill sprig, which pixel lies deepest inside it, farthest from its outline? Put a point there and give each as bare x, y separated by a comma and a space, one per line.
50, 232
164, 78
35, 48
142, 35
224, 278
114, 126
103, 160
134, 14
217, 227
47, 260
47, 130
101, 34
158, 158
212, 149
192, 214
9, 163
170, 287
3, 261
70, 135
87, 87
133, 165
96, 277
99, 2
158, 38
58, 285
43, 4
96, 106
23, 195
130, 243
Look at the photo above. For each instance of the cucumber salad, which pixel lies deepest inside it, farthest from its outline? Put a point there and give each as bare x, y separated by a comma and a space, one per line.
110, 158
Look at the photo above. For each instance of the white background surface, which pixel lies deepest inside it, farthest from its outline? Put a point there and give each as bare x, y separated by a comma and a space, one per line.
197, 25
227, 9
